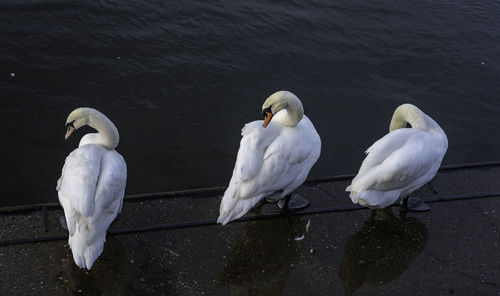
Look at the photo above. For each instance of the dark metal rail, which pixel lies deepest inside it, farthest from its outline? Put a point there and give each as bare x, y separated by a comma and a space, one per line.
185, 193
162, 227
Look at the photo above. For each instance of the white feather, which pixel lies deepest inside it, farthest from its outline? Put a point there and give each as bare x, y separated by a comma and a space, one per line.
270, 159
400, 162
91, 190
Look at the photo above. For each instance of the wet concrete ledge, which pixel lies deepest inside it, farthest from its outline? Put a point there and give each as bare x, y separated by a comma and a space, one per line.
169, 244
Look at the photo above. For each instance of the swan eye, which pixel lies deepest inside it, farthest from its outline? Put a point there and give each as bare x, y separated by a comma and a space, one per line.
266, 111
70, 125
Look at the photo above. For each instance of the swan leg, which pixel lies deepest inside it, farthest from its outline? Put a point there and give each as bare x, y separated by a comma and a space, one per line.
403, 209
283, 203
274, 197
404, 202
431, 186
62, 220
413, 204
293, 202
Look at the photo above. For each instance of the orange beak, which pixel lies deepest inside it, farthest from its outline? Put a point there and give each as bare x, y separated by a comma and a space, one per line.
267, 118
68, 132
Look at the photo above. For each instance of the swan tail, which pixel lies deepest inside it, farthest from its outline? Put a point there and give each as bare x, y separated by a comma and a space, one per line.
86, 252
374, 199
233, 206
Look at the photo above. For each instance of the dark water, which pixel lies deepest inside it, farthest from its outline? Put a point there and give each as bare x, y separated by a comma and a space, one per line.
179, 79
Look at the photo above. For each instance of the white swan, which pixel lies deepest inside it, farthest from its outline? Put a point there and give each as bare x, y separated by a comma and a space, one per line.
92, 185
402, 161
274, 158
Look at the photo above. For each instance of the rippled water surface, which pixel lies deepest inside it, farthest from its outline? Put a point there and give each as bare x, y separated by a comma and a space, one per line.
179, 79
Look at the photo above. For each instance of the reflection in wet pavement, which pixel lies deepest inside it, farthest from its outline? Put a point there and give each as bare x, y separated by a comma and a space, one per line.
381, 250
344, 251
262, 256
107, 277
126, 267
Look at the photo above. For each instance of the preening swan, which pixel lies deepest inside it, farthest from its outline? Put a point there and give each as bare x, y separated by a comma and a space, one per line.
92, 185
402, 161
274, 158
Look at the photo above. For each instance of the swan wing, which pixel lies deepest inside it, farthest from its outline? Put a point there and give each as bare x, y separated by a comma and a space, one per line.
112, 181
382, 148
289, 158
254, 142
269, 161
79, 177
109, 194
405, 160
87, 228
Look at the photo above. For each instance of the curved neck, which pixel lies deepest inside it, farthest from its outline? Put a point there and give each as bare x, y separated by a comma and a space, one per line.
107, 135
291, 113
408, 113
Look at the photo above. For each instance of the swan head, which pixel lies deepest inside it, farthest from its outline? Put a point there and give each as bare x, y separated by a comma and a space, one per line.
76, 119
283, 100
407, 114
107, 134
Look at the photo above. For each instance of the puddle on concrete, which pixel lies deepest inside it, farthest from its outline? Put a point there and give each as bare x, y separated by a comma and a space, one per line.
108, 276
381, 250
262, 256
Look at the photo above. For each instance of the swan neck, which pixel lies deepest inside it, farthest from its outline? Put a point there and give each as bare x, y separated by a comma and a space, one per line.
292, 113
408, 113
107, 135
